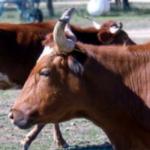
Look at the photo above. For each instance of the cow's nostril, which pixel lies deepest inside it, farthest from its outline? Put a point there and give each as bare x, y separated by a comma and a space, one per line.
19, 118
10, 115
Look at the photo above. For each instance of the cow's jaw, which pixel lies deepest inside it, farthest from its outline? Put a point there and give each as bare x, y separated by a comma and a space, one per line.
21, 122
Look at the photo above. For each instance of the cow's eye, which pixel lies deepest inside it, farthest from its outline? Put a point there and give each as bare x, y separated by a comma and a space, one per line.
45, 72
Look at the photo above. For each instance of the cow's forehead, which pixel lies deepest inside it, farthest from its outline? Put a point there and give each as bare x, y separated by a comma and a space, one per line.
46, 59
46, 51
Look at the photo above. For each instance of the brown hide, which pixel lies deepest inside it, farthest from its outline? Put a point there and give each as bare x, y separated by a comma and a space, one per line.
111, 89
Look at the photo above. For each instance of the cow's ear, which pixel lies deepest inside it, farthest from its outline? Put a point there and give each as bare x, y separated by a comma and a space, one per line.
75, 66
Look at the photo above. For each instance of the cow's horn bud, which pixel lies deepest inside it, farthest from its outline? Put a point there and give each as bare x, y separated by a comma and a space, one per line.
63, 43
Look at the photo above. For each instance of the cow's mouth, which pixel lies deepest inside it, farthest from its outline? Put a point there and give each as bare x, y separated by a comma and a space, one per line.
24, 126
20, 120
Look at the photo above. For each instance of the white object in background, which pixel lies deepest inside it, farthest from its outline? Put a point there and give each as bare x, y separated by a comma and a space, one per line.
98, 7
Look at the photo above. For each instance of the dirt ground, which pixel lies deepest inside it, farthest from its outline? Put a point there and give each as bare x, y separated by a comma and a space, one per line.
80, 134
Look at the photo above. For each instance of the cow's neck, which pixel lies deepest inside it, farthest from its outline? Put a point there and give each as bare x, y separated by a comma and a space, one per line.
130, 64
118, 87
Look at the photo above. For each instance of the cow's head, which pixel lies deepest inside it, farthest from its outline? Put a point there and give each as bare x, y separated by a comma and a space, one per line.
111, 32
53, 84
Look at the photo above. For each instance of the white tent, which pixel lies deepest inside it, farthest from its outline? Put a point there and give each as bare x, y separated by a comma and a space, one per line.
98, 7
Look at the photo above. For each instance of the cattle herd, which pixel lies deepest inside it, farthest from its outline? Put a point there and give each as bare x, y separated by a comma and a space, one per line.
67, 71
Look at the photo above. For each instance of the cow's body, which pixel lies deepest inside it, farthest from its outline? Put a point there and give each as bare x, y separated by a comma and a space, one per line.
108, 85
20, 46
120, 102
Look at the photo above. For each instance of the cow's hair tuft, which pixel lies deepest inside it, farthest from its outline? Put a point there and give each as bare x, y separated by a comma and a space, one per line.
75, 66
75, 62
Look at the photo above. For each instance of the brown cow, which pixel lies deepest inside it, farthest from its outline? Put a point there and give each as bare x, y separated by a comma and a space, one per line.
106, 84
18, 57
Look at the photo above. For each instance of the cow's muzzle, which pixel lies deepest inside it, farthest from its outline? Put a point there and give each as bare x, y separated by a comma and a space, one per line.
20, 119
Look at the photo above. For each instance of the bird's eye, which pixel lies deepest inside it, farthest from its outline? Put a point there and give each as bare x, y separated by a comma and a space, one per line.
45, 72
